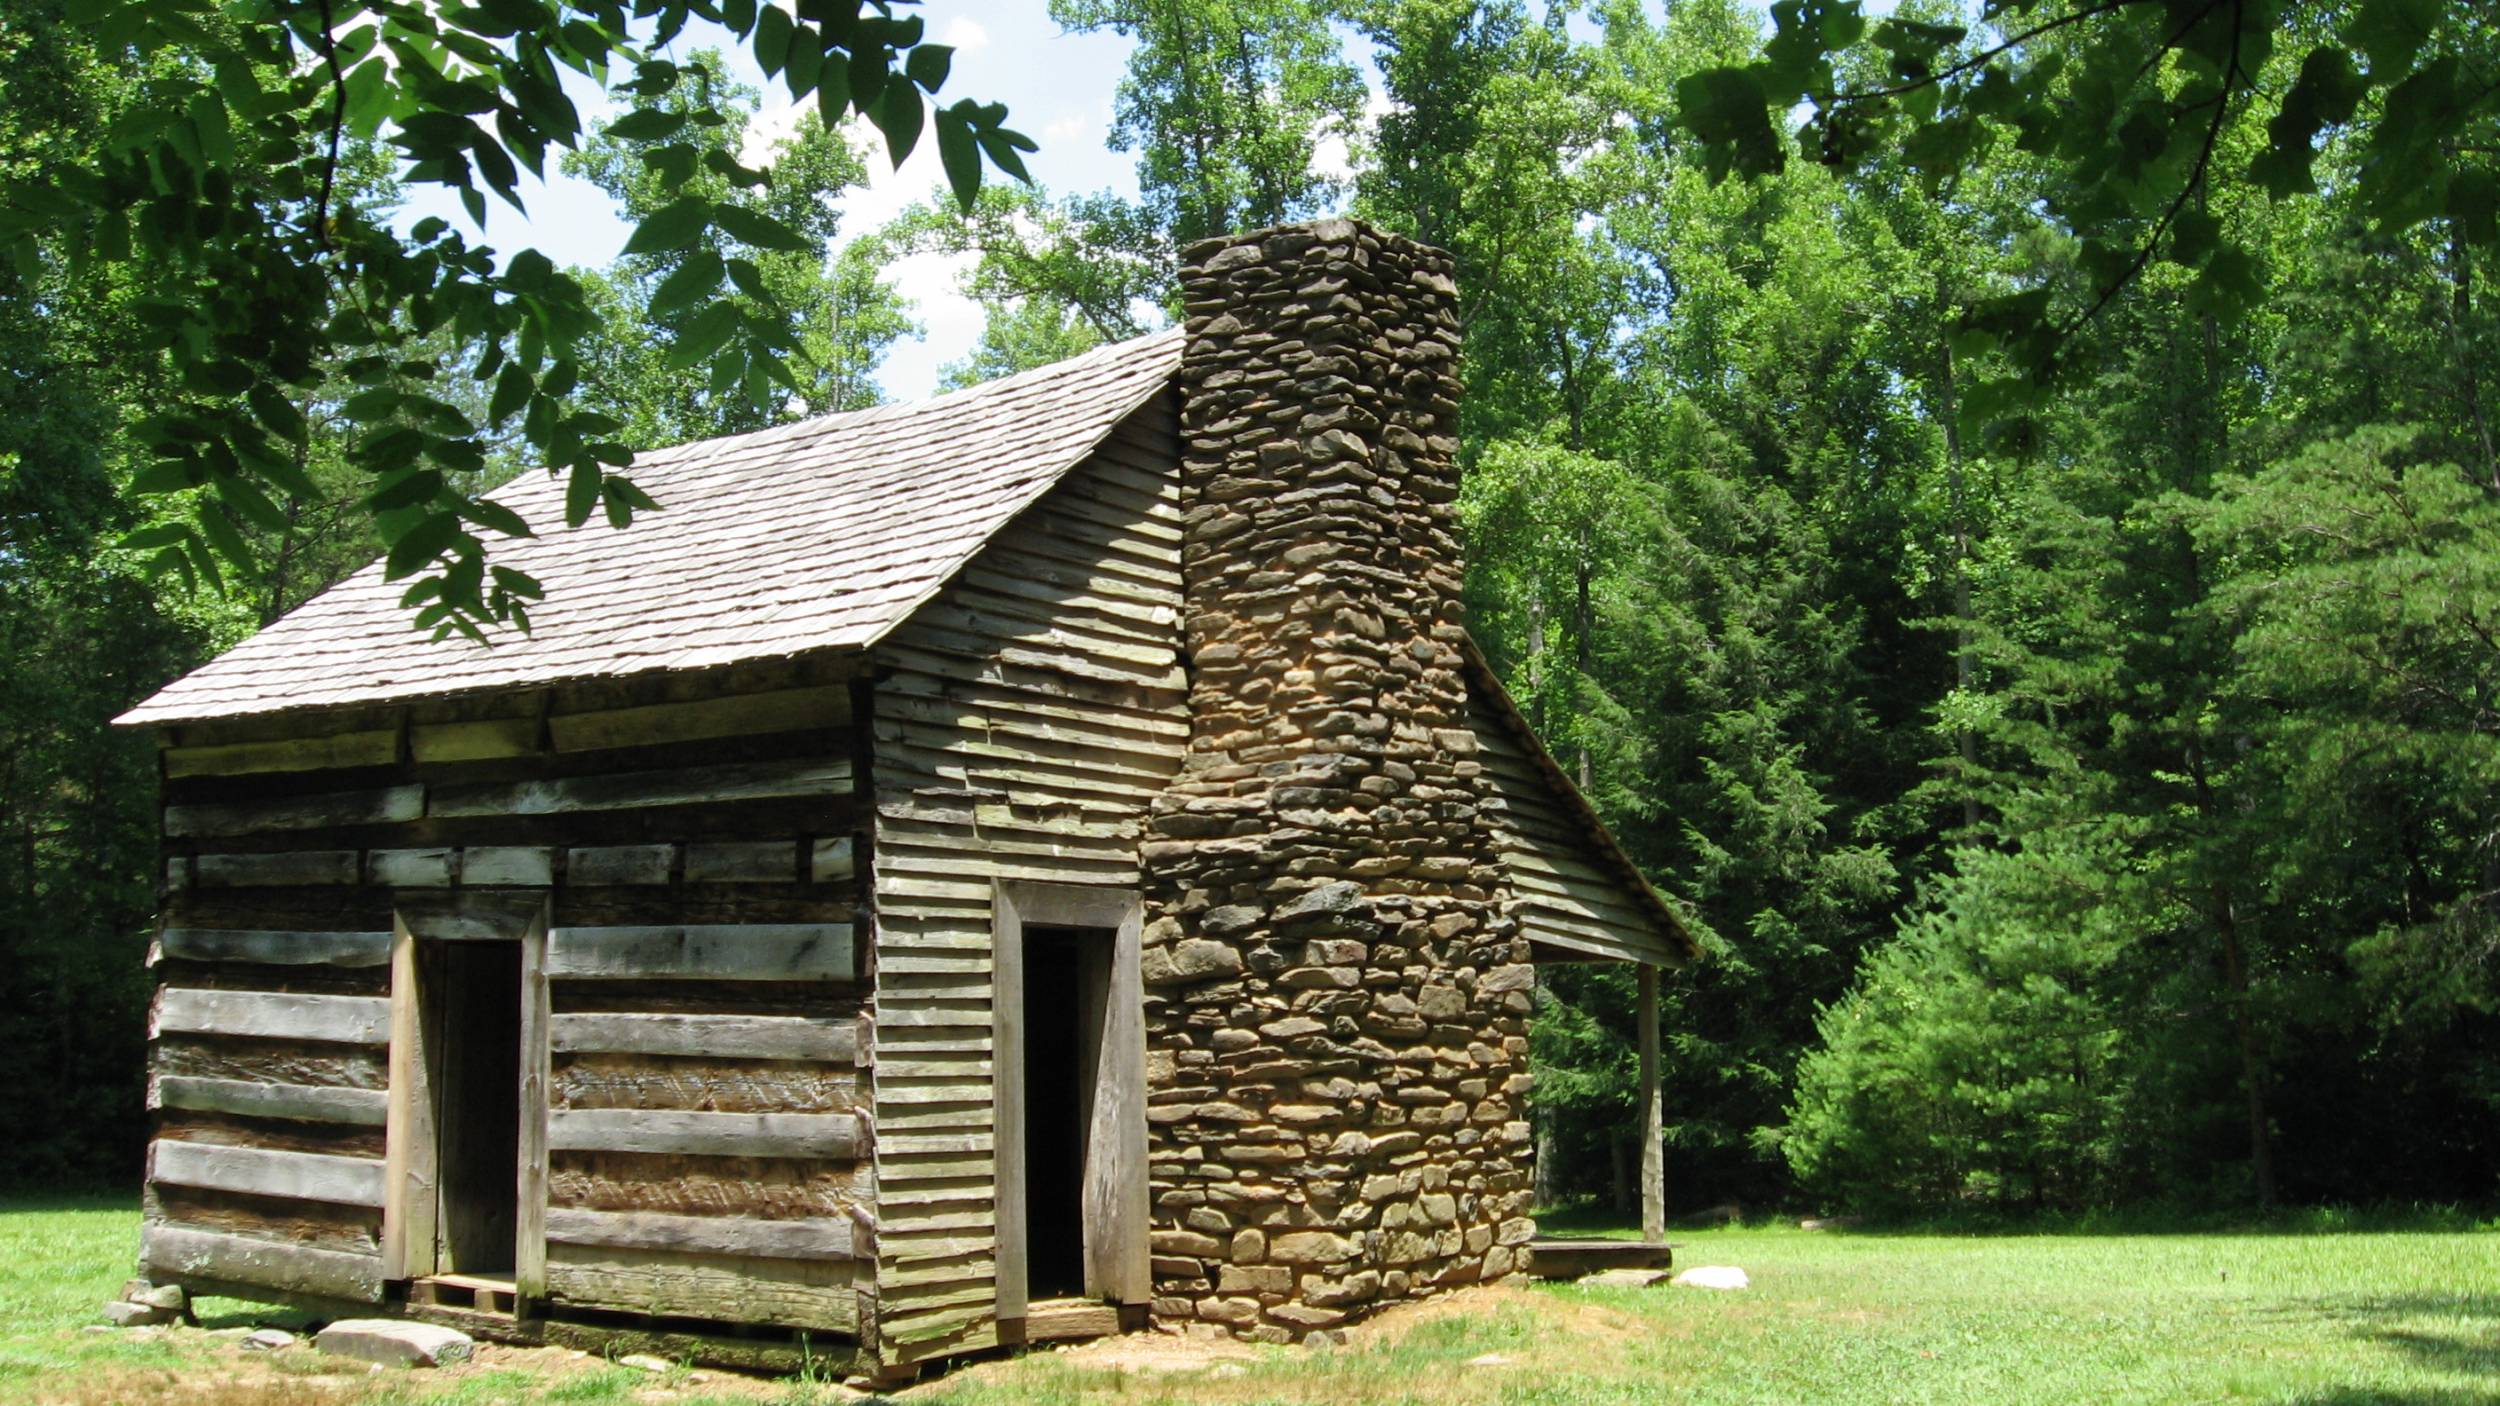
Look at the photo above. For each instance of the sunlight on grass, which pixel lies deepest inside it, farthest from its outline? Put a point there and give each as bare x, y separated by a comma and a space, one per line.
2335, 1316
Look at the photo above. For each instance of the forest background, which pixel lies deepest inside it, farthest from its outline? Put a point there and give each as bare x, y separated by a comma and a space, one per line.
2088, 776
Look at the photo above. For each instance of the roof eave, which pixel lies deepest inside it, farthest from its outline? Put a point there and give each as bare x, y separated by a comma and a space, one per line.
1670, 918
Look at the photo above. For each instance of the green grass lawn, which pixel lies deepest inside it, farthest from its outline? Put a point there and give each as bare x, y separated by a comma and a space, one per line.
2301, 1318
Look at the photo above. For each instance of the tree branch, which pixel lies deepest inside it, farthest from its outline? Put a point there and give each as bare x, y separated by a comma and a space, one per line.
338, 123
1978, 60
2194, 183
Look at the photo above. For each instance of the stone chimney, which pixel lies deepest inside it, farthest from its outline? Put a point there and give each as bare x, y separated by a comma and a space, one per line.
1337, 1074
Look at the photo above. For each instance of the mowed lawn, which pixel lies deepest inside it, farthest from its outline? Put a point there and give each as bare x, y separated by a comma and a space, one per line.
2315, 1318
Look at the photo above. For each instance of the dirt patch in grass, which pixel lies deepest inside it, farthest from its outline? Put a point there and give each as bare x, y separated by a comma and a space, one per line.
1451, 1348
210, 1368
1573, 1323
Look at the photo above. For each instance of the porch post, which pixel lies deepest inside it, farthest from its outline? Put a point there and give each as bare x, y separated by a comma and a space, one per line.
1653, 1130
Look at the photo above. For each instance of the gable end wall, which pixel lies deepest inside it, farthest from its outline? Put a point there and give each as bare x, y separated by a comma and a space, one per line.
1024, 719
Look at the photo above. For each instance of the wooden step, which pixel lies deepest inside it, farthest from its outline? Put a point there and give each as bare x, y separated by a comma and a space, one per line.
1570, 1257
1070, 1320
467, 1293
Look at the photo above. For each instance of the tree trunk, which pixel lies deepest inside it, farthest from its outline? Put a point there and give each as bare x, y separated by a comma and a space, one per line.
2252, 1057
1583, 626
1651, 1118
2460, 326
1948, 395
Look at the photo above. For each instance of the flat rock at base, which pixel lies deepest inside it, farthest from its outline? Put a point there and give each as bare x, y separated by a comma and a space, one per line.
1713, 1276
1631, 1278
393, 1343
645, 1362
166, 1296
267, 1340
169, 1297
123, 1314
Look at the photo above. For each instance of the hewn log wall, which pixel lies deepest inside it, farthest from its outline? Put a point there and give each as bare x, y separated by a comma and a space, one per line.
1024, 720
701, 844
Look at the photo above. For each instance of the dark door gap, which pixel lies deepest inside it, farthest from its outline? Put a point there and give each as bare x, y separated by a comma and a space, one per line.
472, 997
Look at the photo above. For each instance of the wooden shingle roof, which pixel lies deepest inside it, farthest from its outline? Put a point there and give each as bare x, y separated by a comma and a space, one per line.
820, 535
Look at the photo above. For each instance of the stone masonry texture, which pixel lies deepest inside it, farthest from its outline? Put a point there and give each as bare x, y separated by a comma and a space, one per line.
1337, 995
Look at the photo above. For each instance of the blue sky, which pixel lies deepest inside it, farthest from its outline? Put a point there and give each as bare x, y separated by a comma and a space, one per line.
1058, 89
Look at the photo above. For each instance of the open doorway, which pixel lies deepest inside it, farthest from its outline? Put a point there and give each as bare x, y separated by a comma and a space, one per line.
1070, 1059
1066, 971
464, 1191
471, 996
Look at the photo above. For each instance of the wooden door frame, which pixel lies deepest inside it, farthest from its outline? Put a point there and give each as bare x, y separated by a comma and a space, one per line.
410, 1188
1118, 1266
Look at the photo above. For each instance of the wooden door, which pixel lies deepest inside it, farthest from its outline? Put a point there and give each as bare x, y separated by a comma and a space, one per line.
468, 1047
1097, 1061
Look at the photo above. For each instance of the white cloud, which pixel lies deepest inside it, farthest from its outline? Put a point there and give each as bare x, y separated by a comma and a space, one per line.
1076, 125
774, 123
965, 34
950, 322
1331, 156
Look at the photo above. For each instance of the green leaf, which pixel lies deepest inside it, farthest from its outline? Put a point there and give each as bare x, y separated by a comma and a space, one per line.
807, 65
748, 279
241, 495
958, 153
429, 538
162, 534
277, 414
512, 391
758, 229
899, 114
676, 225
647, 124
407, 489
726, 165
390, 449
1002, 146
2229, 285
2474, 203
622, 500
2326, 93
867, 72
1729, 111
706, 334
2192, 236
378, 403
693, 281
928, 65
221, 535
674, 163
581, 492
772, 39
2390, 32
517, 582
488, 513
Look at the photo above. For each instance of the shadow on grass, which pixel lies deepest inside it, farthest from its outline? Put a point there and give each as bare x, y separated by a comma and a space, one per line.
2457, 1333
1584, 1219
2393, 1397
55, 1202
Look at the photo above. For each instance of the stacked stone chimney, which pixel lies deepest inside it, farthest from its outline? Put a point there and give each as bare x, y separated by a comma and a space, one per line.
1337, 997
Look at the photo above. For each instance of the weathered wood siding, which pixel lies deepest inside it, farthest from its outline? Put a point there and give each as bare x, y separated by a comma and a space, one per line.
1024, 719
700, 839
1568, 894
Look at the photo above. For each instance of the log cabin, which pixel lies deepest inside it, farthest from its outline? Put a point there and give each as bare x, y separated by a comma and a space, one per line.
1038, 861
